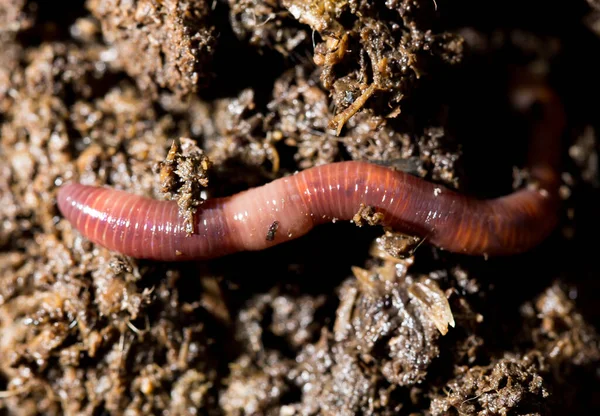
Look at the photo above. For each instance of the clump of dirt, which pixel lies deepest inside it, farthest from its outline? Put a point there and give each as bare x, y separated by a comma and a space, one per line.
15, 16
160, 44
368, 51
556, 341
367, 215
183, 174
267, 25
557, 330
113, 93
398, 245
510, 385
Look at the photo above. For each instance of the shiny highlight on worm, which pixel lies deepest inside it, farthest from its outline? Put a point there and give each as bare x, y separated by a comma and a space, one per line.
290, 207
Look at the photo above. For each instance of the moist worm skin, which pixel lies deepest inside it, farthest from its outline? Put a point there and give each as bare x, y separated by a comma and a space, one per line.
145, 228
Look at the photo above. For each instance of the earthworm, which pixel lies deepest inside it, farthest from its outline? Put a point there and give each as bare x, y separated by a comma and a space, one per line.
291, 206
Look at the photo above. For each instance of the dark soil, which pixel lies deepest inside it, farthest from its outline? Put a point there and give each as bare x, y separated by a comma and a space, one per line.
193, 99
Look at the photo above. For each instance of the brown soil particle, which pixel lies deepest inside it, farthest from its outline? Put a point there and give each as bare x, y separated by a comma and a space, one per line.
272, 231
367, 215
152, 97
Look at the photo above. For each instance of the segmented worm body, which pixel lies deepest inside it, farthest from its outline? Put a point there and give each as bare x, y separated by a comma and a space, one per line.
290, 207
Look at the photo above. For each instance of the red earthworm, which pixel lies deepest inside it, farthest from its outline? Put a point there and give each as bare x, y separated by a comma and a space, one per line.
290, 207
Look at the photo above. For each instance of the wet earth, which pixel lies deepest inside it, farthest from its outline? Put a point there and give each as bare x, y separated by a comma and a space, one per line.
194, 99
